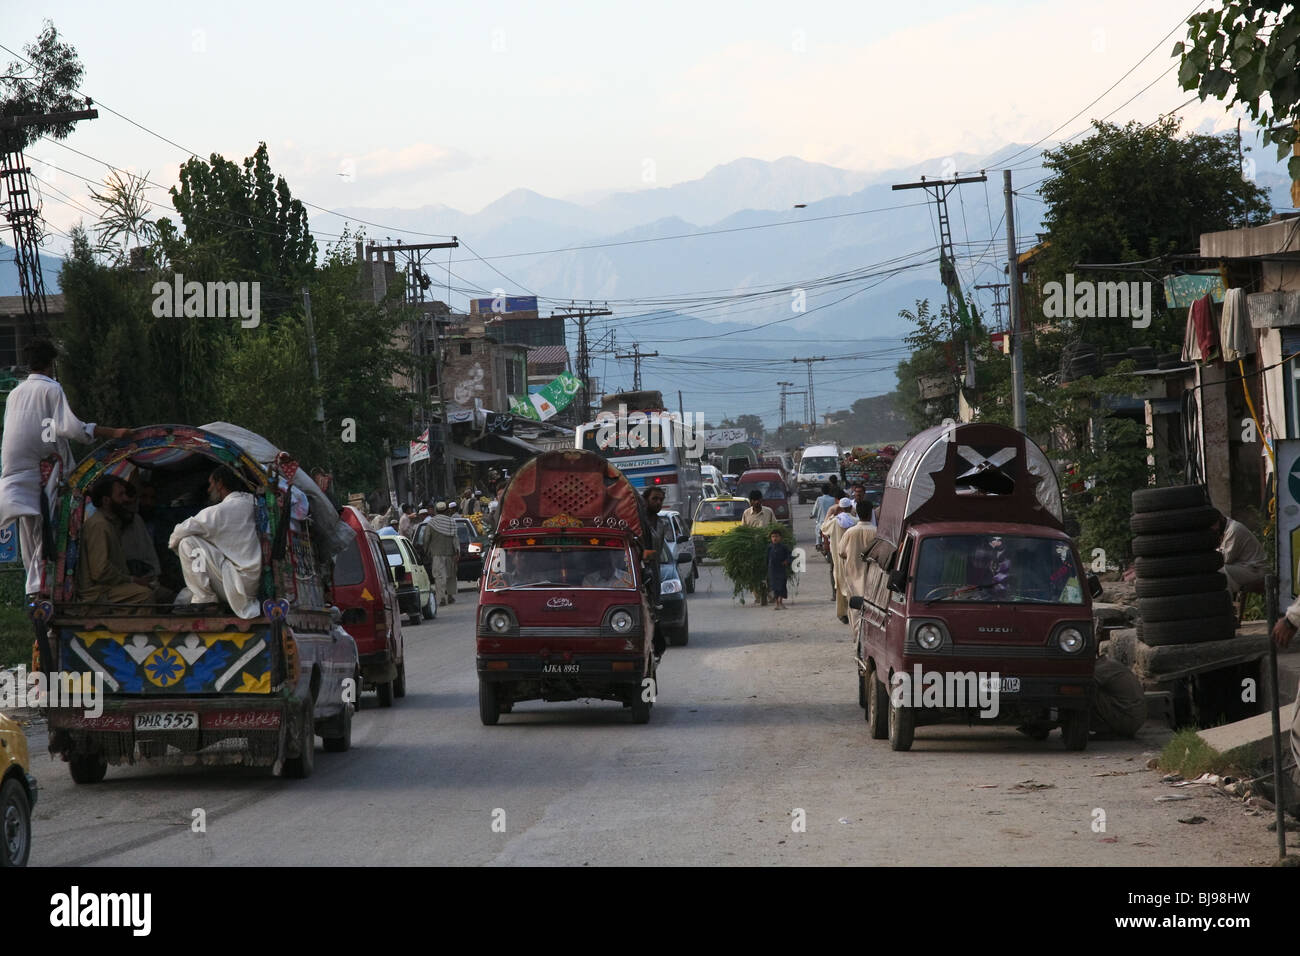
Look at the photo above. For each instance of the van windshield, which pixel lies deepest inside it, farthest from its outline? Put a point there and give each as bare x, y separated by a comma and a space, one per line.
560, 568
1002, 568
819, 465
768, 489
721, 511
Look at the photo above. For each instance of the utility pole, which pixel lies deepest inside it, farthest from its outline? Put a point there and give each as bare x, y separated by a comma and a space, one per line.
681, 408
417, 281
784, 386
997, 288
17, 205
315, 373
811, 400
1013, 280
636, 357
938, 190
582, 314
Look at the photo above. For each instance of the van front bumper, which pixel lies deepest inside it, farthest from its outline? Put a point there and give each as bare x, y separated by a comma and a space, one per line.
499, 668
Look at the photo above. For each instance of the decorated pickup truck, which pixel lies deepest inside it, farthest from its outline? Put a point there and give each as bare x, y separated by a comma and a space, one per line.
161, 682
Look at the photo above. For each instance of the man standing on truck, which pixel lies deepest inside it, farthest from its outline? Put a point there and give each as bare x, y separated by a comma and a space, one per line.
221, 555
37, 424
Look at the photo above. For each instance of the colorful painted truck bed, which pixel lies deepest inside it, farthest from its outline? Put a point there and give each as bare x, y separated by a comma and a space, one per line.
161, 682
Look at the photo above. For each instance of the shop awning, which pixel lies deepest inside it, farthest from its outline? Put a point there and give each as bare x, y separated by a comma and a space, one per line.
473, 454
519, 443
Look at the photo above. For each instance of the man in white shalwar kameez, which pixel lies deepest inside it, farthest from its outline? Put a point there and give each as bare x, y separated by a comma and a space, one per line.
219, 550
38, 423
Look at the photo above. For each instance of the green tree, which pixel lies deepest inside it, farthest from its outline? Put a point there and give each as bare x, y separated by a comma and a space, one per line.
1248, 49
241, 224
46, 82
1129, 194
934, 358
124, 221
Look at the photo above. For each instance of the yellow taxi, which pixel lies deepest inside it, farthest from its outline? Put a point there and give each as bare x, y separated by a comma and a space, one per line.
17, 795
714, 517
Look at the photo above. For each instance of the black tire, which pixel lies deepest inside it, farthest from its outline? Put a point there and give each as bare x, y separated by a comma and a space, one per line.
489, 710
1168, 499
1159, 633
399, 682
87, 768
640, 707
15, 824
1178, 566
1179, 519
688, 582
385, 693
301, 766
426, 608
902, 726
1181, 542
342, 741
877, 707
1074, 729
862, 689
1185, 607
1191, 584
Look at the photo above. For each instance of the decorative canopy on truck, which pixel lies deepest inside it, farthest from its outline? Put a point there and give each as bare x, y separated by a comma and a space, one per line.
570, 489
969, 472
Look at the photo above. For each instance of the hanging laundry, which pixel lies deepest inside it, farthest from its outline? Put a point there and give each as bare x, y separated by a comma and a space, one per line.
1237, 338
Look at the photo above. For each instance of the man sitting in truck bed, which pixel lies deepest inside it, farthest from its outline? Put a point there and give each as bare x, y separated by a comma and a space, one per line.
102, 576
221, 556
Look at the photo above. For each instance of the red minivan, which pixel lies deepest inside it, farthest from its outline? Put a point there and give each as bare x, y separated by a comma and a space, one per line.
770, 483
364, 591
976, 603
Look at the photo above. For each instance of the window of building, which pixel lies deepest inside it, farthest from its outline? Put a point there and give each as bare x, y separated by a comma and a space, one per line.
466, 348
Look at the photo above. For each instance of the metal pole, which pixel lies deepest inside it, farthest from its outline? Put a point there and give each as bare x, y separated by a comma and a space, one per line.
1279, 784
1013, 278
315, 366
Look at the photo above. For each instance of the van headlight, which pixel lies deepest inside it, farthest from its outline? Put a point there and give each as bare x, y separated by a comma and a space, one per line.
929, 636
498, 622
621, 622
670, 587
1071, 640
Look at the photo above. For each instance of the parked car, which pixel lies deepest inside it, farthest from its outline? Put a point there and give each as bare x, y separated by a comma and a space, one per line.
714, 518
363, 590
415, 595
771, 484
17, 795
674, 616
470, 565
679, 542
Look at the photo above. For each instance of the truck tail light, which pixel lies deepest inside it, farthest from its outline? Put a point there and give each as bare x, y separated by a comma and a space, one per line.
664, 480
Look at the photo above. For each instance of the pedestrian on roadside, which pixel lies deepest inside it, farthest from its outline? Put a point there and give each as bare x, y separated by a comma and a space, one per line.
778, 566
854, 543
38, 423
1244, 560
838, 520
444, 548
822, 504
405, 524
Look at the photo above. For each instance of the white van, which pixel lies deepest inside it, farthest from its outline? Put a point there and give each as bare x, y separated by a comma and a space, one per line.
816, 466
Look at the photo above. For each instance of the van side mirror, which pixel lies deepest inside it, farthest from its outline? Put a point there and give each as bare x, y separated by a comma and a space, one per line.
898, 580
855, 602
1094, 586
683, 557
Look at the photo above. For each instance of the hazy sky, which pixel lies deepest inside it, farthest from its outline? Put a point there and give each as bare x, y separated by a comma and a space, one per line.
419, 103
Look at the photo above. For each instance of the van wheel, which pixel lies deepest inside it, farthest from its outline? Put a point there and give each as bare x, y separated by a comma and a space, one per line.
877, 707
87, 768
399, 682
430, 609
342, 741
301, 766
1074, 729
902, 726
385, 693
489, 711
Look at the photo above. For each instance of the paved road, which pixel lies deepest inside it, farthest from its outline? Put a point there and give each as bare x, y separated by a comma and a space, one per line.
757, 717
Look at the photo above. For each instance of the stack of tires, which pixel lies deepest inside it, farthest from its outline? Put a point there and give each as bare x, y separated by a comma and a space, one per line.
1182, 595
